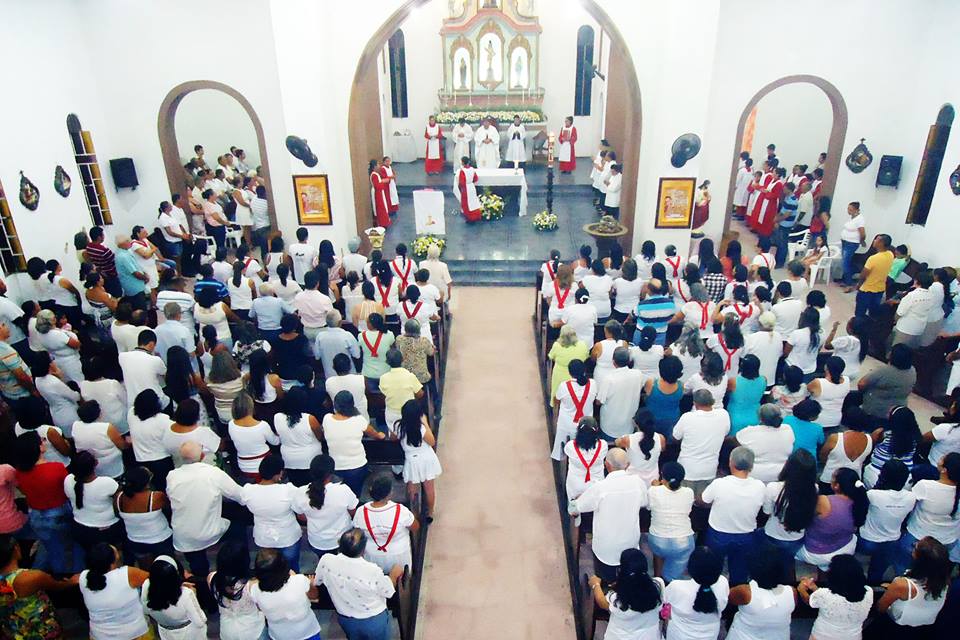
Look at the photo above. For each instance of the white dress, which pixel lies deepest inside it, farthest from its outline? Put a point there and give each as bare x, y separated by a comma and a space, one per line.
766, 616
185, 620
420, 463
240, 619
515, 150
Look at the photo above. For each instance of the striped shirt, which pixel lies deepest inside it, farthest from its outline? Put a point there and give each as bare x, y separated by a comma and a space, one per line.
655, 311
218, 286
789, 209
10, 386
102, 258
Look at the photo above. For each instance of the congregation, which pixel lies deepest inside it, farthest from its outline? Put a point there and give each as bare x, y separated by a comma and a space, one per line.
728, 428
185, 410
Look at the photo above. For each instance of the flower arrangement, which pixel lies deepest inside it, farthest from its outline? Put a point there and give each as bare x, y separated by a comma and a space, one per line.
545, 221
423, 243
504, 114
492, 205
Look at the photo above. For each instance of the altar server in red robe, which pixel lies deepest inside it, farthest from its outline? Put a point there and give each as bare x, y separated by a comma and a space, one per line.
467, 188
379, 189
769, 203
757, 190
567, 153
393, 198
434, 159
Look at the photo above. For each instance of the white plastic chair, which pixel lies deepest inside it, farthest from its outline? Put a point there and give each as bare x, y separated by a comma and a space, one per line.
824, 265
234, 236
797, 245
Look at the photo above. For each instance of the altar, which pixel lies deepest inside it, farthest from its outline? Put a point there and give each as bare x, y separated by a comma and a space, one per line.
504, 178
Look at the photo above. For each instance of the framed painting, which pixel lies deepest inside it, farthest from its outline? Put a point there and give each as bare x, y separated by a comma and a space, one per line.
675, 203
312, 193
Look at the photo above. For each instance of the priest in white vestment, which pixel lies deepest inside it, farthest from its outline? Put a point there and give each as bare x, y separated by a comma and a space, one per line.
516, 134
462, 135
487, 143
741, 193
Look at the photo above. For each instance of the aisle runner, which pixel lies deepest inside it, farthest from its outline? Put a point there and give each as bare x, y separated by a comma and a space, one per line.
495, 564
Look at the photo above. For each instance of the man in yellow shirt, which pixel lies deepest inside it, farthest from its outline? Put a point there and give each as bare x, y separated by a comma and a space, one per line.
873, 277
398, 386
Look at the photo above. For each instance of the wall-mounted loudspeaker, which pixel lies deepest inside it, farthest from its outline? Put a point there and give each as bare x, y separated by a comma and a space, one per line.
889, 173
124, 173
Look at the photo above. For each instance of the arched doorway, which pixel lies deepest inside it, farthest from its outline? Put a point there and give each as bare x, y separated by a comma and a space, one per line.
169, 146
622, 121
834, 150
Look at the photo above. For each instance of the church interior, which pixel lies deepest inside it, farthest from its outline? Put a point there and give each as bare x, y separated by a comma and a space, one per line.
496, 143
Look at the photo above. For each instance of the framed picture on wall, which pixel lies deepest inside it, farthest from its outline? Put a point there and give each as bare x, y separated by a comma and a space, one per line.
312, 193
675, 203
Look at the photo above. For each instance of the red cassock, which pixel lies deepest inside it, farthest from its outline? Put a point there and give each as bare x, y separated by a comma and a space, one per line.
769, 204
765, 181
570, 162
381, 199
433, 161
393, 199
469, 202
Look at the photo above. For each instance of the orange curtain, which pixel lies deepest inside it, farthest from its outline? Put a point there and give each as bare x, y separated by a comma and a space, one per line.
746, 144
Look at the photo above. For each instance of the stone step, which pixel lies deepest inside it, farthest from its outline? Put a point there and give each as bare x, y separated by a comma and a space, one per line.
501, 273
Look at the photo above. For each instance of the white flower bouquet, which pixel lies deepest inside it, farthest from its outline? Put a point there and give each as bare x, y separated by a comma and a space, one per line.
492, 206
423, 243
503, 114
545, 221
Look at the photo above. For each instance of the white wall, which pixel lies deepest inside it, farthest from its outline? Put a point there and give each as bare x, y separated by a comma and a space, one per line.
560, 20
217, 121
797, 118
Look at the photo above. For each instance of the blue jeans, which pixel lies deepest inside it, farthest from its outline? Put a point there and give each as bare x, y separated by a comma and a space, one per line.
736, 548
292, 554
882, 555
847, 249
219, 235
787, 550
373, 628
675, 553
53, 529
354, 478
780, 238
868, 303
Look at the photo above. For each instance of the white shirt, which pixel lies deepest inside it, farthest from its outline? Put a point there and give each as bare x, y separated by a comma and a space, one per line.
696, 382
736, 503
298, 443
847, 348
628, 294
913, 310
788, 312
93, 437
354, 262
619, 395
582, 317
599, 289
97, 511
357, 587
798, 290
326, 524
838, 618
304, 258
670, 511
647, 362
275, 524
931, 516
168, 223
851, 228
888, 509
147, 436
946, 439
802, 355
352, 382
252, 443
9, 312
222, 271
701, 434
612, 197
288, 612
687, 624
633, 625
771, 446
112, 398
115, 610
381, 519
141, 371
195, 492
616, 502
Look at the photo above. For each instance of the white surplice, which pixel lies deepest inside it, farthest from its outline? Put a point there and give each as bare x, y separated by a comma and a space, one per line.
394, 196
487, 140
462, 135
516, 134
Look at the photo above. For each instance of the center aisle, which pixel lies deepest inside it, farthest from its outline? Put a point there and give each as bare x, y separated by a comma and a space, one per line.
495, 565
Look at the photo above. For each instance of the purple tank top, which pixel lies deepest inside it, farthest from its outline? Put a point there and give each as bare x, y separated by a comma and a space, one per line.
828, 533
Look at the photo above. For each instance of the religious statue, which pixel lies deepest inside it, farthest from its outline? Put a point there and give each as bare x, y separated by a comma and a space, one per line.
455, 8
463, 74
491, 4
490, 51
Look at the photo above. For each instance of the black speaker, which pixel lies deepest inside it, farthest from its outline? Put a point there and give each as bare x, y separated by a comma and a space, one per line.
124, 173
889, 173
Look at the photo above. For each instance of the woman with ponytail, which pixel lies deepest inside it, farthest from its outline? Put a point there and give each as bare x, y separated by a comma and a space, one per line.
576, 398
728, 344
634, 600
791, 503
671, 536
141, 509
912, 601
628, 287
643, 447
937, 513
110, 593
284, 285
696, 604
91, 497
421, 466
549, 269
585, 457
328, 506
66, 298
242, 291
172, 604
833, 531
647, 354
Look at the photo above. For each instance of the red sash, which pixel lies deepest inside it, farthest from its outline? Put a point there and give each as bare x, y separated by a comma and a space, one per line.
743, 316
393, 528
384, 295
246, 263
596, 454
680, 291
727, 352
676, 266
578, 404
405, 276
704, 316
561, 299
416, 310
553, 276
375, 347
766, 260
